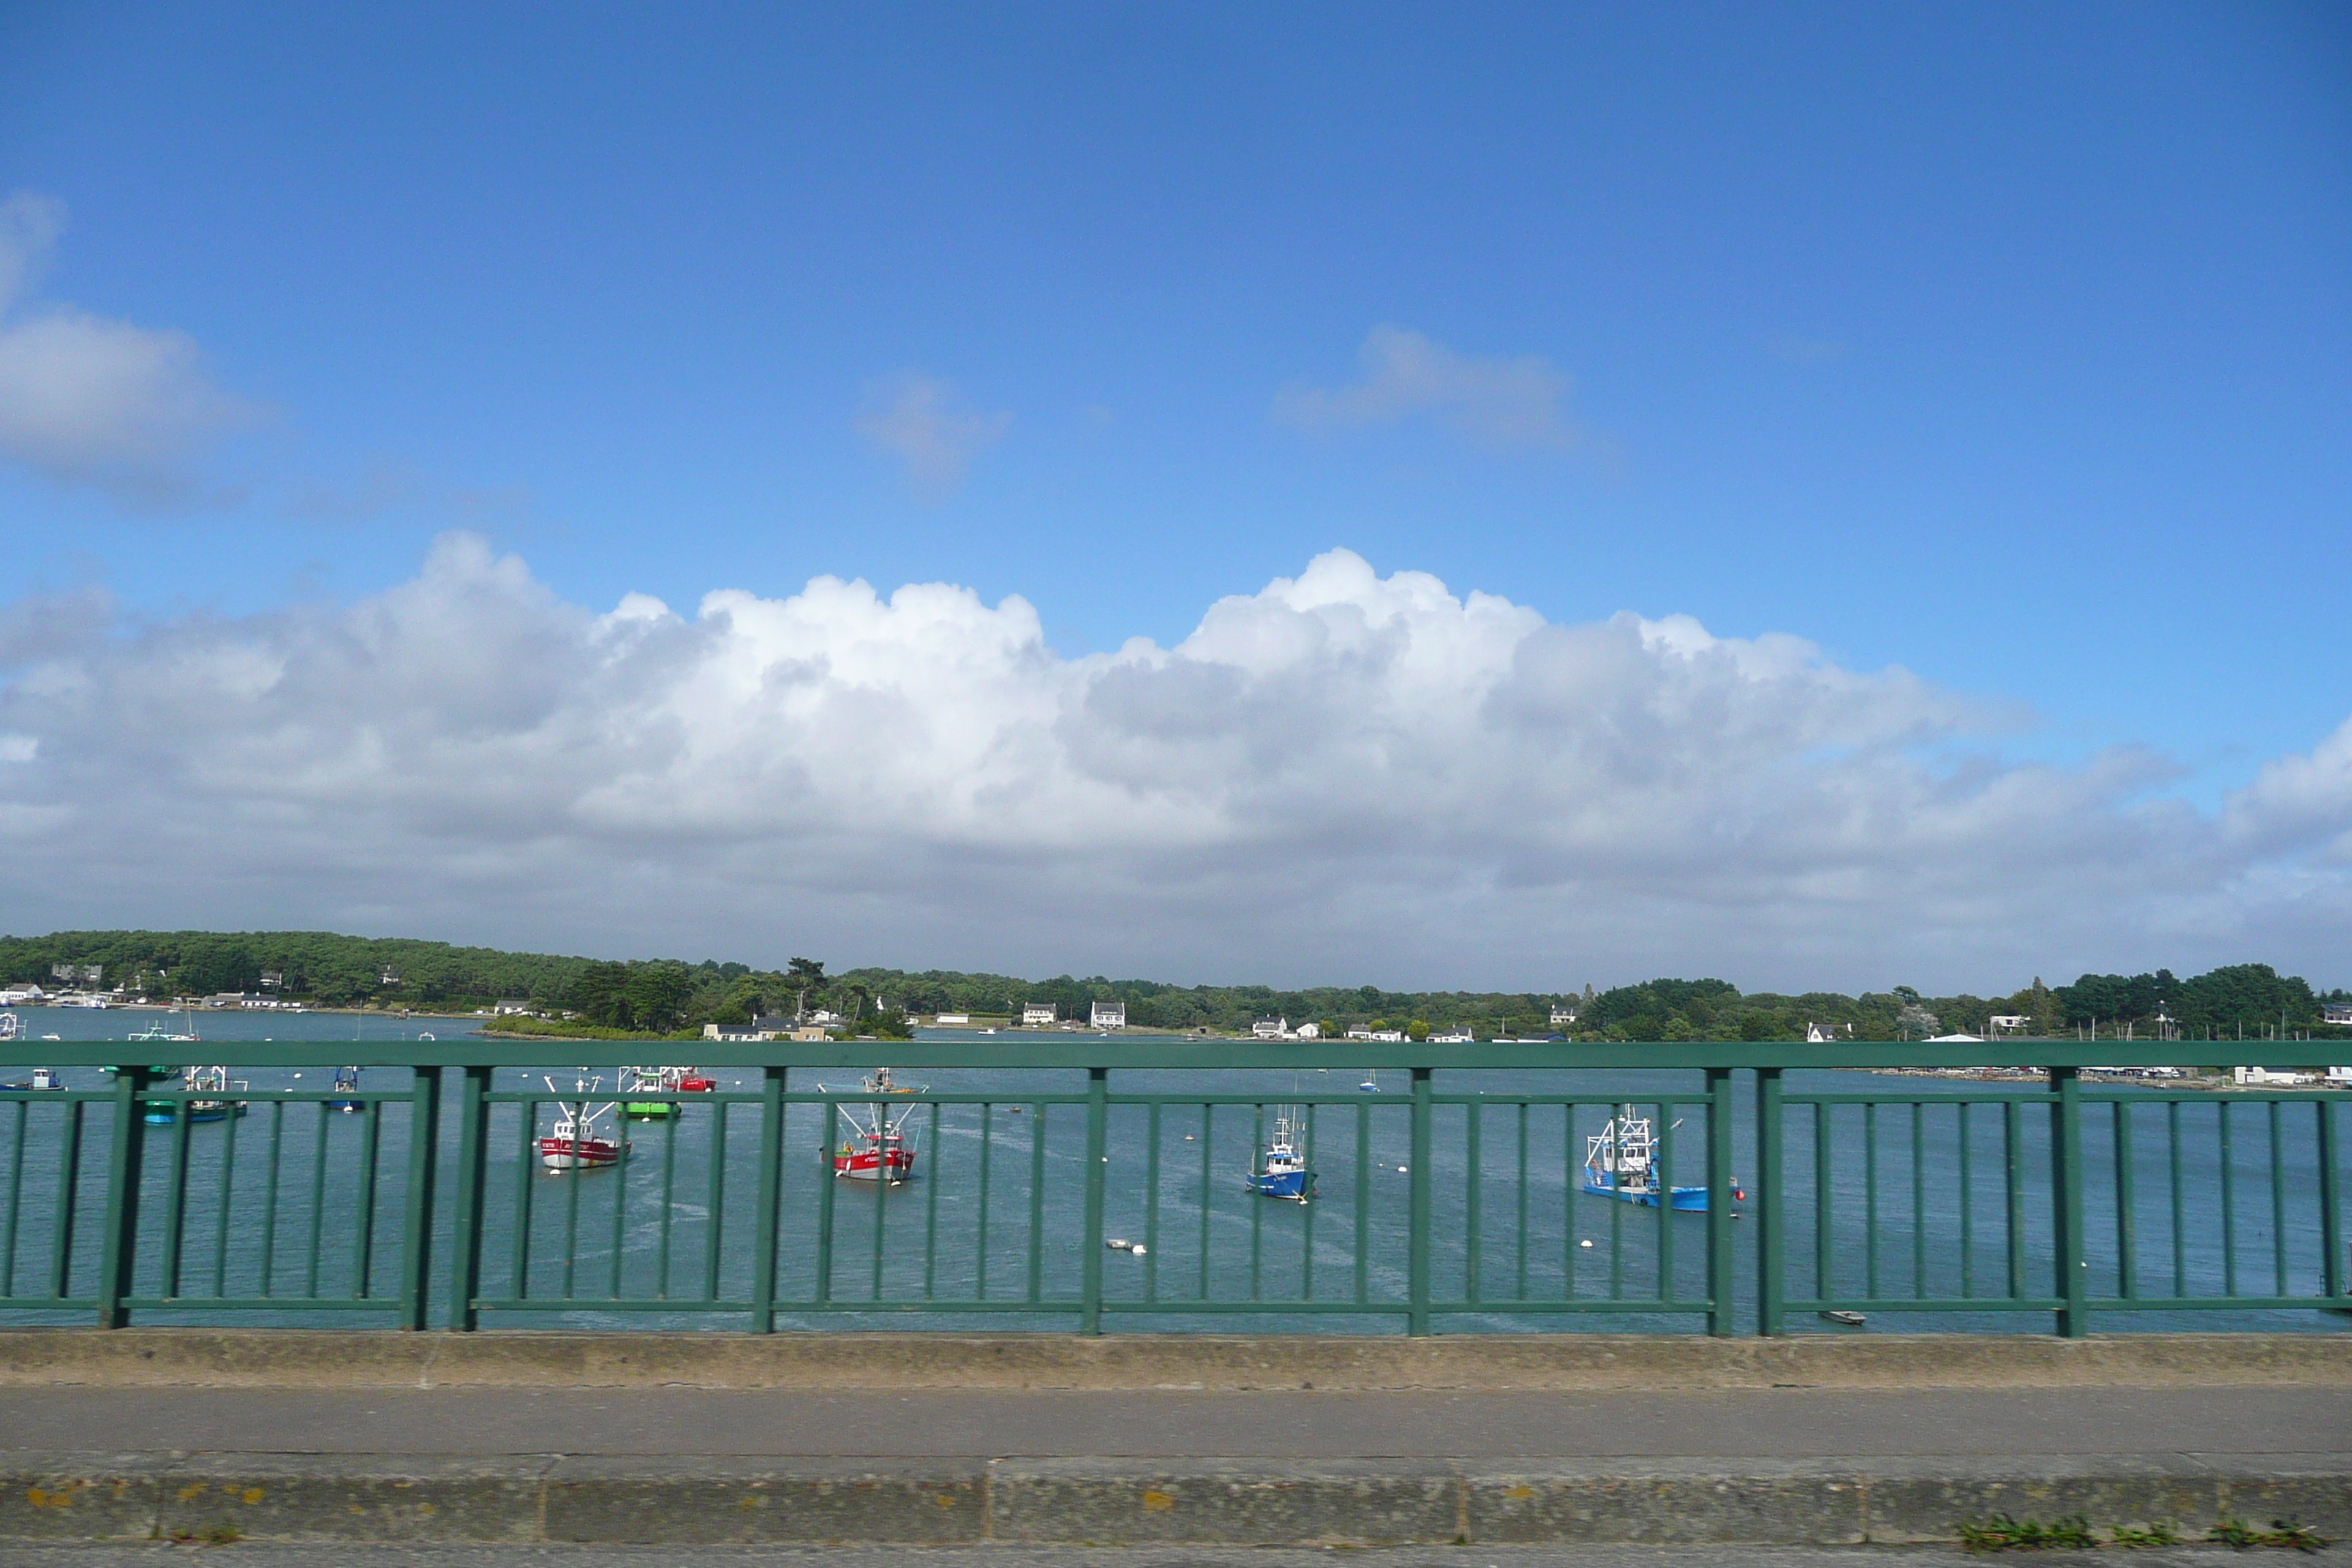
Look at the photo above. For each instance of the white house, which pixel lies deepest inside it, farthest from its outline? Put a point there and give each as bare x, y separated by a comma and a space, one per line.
2008, 1023
1037, 1014
1310, 1031
1271, 1028
770, 1027
511, 1006
951, 1020
2256, 1078
2340, 1077
1109, 1015
1561, 1017
1457, 1035
18, 996
2336, 1013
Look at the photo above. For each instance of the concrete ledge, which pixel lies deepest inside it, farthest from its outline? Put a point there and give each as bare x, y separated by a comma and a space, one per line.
1230, 1503
721, 1500
310, 1357
1233, 1503
77, 1497
362, 1497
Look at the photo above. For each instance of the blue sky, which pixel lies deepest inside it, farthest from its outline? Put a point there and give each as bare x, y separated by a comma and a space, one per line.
2005, 345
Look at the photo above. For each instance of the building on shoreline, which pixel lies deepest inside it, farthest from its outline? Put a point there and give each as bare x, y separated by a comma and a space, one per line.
760, 1030
1039, 1014
1109, 1015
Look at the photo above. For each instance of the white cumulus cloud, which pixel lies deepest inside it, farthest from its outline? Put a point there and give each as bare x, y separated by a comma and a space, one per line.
84, 400
1342, 775
1502, 404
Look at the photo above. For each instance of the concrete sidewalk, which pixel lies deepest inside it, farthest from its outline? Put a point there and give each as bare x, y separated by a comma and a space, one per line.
1145, 1466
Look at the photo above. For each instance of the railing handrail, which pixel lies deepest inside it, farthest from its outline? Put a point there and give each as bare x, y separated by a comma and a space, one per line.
1165, 1052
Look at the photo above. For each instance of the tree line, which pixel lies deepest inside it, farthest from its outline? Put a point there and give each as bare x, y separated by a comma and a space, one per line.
669, 995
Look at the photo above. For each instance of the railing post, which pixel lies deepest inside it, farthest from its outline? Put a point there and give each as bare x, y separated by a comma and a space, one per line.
124, 1153
2066, 1202
1719, 1256
771, 1200
2331, 1199
424, 1152
473, 1110
1090, 1245
1772, 1235
1417, 1241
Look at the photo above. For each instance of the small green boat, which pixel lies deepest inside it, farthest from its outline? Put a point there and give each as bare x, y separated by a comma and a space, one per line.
660, 1080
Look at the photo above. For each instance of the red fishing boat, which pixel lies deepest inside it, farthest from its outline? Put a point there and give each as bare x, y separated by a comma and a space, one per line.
878, 1148
574, 1143
865, 1156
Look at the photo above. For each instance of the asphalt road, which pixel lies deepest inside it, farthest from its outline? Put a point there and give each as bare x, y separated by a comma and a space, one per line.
259, 1555
1798, 1423
342, 1555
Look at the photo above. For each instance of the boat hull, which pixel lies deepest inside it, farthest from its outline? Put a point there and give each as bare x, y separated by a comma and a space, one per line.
164, 1115
867, 1167
1296, 1186
1685, 1200
579, 1154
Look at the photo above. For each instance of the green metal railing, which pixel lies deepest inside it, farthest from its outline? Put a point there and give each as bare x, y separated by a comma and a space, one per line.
1460, 1205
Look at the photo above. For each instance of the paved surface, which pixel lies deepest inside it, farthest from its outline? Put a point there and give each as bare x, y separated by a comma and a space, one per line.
985, 1423
261, 1554
264, 1554
1584, 1360
1169, 1477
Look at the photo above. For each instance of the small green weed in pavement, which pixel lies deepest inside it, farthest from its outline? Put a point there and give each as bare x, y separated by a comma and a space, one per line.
2003, 1534
2281, 1533
2159, 1534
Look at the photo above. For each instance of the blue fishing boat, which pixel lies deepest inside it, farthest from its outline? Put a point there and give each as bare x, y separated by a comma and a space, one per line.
1282, 1171
347, 1089
1621, 1161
